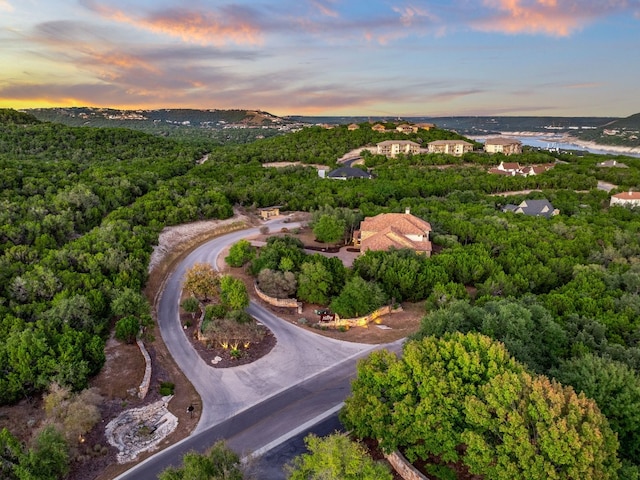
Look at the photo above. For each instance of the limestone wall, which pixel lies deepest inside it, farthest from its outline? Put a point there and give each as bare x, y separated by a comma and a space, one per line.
143, 389
403, 467
363, 321
276, 302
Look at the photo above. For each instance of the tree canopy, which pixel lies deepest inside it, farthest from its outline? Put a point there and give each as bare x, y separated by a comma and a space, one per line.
336, 457
458, 390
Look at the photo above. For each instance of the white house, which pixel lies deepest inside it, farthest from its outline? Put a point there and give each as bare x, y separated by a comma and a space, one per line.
626, 199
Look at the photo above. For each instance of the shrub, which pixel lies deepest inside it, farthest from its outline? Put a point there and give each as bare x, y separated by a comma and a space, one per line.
127, 329
167, 388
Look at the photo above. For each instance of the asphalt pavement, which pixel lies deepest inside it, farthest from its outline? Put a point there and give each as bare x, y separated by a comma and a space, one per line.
258, 406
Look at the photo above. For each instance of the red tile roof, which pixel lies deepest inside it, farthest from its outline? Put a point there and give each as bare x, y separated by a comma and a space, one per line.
392, 230
628, 195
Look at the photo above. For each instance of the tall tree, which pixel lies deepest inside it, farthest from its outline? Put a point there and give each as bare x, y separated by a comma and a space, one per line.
240, 253
202, 281
314, 283
616, 389
233, 293
329, 229
415, 402
47, 459
519, 426
358, 297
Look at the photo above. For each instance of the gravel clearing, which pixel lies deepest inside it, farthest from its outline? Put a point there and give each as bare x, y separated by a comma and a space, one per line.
172, 237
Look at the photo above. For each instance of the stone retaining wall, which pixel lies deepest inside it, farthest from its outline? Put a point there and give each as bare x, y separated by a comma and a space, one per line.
363, 321
143, 389
276, 302
403, 467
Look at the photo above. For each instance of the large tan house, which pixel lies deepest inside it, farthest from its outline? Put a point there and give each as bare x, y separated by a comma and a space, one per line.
626, 199
391, 148
397, 230
450, 147
406, 128
507, 146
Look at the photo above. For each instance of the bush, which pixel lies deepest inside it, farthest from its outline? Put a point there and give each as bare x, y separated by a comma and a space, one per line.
167, 388
127, 329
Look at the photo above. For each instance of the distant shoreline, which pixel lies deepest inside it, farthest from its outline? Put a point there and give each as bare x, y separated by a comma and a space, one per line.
567, 138
598, 146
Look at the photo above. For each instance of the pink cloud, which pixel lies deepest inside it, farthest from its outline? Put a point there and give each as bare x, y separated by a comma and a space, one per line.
324, 8
534, 16
549, 17
228, 25
410, 14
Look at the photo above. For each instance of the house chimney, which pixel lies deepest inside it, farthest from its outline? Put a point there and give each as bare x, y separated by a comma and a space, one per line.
407, 210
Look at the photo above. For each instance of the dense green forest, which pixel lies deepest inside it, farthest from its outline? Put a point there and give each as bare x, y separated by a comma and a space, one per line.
81, 209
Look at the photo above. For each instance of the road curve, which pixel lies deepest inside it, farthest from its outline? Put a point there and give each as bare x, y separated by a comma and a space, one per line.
298, 354
257, 406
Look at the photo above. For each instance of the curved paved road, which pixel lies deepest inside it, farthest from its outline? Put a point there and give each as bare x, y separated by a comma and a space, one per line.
298, 354
258, 406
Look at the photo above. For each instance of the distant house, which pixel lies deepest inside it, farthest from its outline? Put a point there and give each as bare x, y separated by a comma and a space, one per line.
353, 126
510, 167
426, 126
450, 147
346, 173
506, 146
397, 230
269, 212
379, 128
514, 168
406, 128
537, 169
533, 208
391, 148
626, 199
612, 163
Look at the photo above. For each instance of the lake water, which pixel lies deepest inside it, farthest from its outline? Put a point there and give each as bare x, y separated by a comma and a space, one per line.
557, 141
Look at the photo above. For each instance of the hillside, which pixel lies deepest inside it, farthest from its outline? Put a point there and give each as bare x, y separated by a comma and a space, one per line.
621, 132
13, 117
102, 117
222, 126
478, 125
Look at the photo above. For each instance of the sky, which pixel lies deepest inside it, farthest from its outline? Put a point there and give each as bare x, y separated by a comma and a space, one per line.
325, 57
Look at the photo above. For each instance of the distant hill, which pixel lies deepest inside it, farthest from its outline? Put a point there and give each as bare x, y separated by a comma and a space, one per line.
219, 126
14, 117
470, 125
101, 117
631, 122
620, 132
